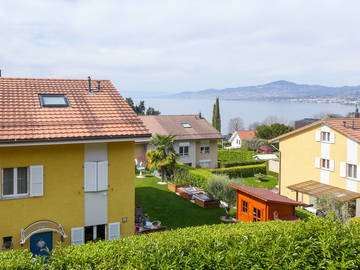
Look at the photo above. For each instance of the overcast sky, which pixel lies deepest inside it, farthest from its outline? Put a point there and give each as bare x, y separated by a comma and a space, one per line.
172, 46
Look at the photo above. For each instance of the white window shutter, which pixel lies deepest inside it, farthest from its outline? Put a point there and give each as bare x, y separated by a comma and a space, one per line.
332, 137
317, 135
114, 230
77, 236
332, 165
102, 183
342, 169
317, 162
90, 176
36, 180
358, 172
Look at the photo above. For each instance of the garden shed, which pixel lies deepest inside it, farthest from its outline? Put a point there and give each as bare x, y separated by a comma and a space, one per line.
259, 204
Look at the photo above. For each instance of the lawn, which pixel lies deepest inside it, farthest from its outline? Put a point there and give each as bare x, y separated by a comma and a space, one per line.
172, 210
268, 182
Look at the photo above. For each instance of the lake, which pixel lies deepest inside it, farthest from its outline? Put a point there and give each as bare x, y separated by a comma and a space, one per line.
249, 111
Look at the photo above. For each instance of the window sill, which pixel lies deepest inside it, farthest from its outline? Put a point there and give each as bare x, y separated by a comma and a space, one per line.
326, 169
353, 179
13, 197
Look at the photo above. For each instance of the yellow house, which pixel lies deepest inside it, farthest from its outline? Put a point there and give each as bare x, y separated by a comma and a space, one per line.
66, 161
322, 158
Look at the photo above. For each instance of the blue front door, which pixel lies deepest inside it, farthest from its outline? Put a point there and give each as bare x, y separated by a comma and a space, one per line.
41, 243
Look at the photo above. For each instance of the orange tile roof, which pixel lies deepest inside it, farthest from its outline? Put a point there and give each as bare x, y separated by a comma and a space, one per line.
246, 134
101, 115
347, 126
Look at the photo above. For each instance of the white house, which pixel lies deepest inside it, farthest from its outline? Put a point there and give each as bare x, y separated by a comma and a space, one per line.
238, 136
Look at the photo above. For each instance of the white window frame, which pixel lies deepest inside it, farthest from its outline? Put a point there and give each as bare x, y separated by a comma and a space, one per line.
355, 171
326, 162
325, 134
183, 154
15, 195
203, 149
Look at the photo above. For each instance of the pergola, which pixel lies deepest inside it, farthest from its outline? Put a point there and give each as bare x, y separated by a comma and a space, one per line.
317, 189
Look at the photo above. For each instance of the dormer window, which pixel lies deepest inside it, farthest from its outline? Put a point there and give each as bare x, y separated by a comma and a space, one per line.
54, 101
186, 125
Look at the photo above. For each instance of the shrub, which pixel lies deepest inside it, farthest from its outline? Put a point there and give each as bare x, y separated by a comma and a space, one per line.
235, 155
218, 187
228, 164
185, 174
319, 243
241, 171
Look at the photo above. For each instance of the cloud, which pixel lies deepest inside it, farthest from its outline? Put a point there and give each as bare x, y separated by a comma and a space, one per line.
175, 45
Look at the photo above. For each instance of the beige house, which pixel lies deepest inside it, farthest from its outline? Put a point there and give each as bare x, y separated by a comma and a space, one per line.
195, 141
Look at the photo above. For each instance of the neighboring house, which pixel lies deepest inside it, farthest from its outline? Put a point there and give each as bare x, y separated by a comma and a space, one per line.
239, 136
66, 161
260, 204
195, 139
322, 158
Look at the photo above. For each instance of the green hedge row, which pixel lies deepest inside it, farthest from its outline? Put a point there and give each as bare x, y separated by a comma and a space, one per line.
227, 164
241, 171
320, 243
185, 174
235, 155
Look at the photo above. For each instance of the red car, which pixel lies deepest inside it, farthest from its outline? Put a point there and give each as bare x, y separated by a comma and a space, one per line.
265, 149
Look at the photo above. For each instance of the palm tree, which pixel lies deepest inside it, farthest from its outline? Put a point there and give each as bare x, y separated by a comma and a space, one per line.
163, 157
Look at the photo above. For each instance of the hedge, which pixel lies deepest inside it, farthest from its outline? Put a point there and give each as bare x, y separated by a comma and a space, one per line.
320, 243
241, 171
235, 155
192, 176
227, 164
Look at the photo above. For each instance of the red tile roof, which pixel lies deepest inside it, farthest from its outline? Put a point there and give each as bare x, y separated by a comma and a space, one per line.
347, 126
246, 134
199, 129
104, 114
265, 195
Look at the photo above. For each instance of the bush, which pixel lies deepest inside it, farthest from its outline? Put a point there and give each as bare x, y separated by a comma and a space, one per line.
185, 174
228, 164
235, 155
241, 171
319, 243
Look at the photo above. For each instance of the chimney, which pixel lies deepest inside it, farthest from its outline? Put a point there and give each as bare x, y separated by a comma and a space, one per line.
98, 86
89, 81
344, 123
357, 114
200, 116
0, 72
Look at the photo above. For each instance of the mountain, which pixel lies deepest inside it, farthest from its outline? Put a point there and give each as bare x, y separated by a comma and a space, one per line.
278, 90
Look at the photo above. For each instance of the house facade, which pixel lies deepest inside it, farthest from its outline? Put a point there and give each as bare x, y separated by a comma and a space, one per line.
322, 158
195, 139
66, 160
239, 136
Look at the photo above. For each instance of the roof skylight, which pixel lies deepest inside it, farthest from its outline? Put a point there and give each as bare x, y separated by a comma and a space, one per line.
54, 101
186, 125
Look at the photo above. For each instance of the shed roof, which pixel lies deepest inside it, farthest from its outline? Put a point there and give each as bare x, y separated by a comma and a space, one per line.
265, 195
198, 128
317, 189
104, 114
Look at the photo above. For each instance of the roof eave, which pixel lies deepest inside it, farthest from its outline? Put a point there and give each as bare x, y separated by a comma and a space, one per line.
81, 138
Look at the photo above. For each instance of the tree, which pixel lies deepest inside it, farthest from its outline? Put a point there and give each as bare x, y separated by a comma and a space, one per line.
253, 144
327, 204
152, 111
235, 124
218, 187
254, 125
216, 119
163, 157
141, 109
271, 131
